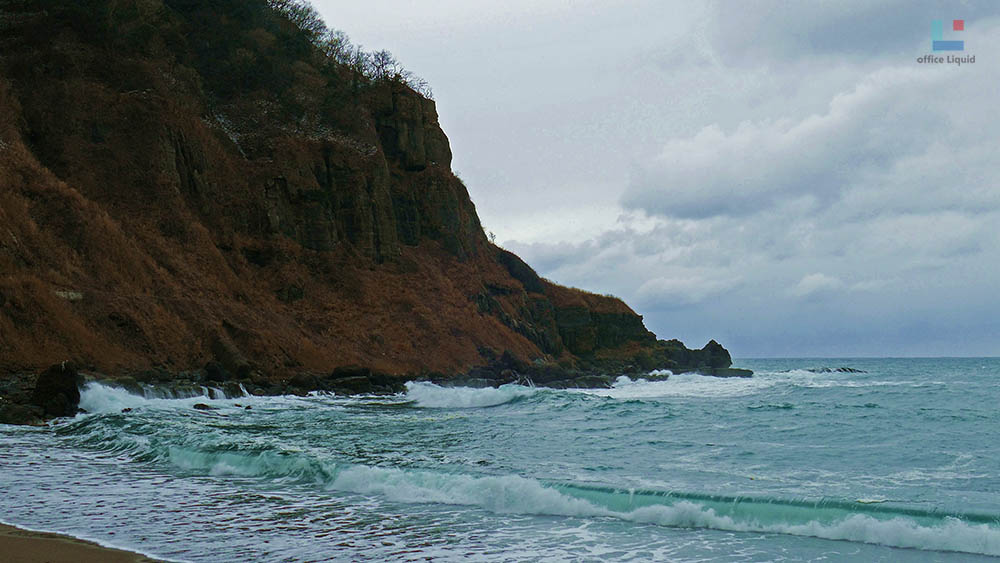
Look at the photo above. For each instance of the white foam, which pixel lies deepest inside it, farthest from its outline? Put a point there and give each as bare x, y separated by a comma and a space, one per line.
505, 494
696, 385
683, 385
97, 398
429, 395
513, 494
952, 535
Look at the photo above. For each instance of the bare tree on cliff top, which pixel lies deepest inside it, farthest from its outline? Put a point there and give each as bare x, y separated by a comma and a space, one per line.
303, 15
375, 66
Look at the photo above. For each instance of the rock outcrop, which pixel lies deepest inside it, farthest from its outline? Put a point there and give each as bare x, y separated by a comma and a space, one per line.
217, 197
57, 390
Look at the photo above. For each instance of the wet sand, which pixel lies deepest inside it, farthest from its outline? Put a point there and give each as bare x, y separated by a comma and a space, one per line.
24, 546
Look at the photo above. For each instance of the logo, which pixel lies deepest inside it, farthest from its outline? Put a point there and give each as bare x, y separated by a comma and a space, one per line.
938, 42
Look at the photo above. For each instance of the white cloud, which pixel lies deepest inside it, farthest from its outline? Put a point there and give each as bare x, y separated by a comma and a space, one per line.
886, 118
818, 284
683, 288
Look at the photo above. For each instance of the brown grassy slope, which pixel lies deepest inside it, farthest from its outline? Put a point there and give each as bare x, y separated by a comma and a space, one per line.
161, 204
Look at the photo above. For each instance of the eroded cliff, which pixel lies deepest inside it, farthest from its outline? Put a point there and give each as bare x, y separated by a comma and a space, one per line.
193, 186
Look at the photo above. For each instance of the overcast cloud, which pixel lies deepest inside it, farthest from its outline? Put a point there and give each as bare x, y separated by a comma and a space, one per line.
783, 177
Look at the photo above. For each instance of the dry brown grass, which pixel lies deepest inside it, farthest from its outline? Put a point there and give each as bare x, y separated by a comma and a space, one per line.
132, 197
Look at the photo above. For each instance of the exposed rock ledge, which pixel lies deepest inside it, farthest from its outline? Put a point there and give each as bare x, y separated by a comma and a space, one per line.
28, 400
191, 193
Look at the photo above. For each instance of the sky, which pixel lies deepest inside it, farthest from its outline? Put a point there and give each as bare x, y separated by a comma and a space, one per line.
784, 177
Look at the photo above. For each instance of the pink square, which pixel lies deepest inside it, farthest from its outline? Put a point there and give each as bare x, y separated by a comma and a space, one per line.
958, 25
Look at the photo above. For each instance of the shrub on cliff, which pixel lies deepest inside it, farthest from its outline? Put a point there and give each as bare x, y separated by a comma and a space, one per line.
369, 67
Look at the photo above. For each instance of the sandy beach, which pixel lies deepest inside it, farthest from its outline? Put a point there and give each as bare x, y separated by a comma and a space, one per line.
24, 546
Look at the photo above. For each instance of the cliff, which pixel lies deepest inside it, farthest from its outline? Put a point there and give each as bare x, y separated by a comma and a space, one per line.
193, 187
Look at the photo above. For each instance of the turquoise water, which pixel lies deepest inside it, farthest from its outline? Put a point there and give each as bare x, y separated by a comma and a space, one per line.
897, 464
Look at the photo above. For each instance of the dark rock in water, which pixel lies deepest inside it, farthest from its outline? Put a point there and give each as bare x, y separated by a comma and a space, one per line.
581, 382
21, 414
157, 374
507, 376
352, 380
352, 386
57, 390
129, 384
542, 374
655, 376
269, 390
726, 372
248, 407
304, 381
203, 407
592, 382
715, 356
232, 389
126, 410
836, 370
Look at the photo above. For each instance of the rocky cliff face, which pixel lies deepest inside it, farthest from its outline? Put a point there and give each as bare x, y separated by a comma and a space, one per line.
191, 186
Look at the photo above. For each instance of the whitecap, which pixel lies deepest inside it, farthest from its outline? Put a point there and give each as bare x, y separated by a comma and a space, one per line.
429, 395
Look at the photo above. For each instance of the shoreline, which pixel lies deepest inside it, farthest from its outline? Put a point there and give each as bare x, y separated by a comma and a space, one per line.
31, 400
29, 546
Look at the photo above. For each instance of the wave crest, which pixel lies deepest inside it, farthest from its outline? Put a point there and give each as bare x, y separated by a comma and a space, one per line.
514, 494
98, 398
429, 395
874, 523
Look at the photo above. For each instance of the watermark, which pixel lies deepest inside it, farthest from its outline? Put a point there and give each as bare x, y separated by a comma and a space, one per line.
939, 44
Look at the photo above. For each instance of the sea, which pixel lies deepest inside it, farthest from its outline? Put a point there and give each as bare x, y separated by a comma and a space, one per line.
899, 461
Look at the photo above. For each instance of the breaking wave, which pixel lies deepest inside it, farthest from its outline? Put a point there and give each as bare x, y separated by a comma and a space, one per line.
100, 398
188, 444
433, 396
836, 520
882, 523
682, 385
